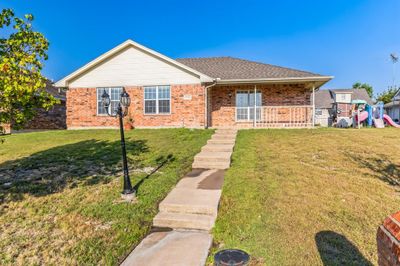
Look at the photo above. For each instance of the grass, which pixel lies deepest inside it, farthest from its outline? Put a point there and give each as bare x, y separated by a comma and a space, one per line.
309, 197
60, 192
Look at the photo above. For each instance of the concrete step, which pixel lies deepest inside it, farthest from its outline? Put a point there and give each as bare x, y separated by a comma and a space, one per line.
221, 129
221, 141
225, 132
211, 165
203, 179
184, 221
191, 201
218, 148
223, 136
206, 156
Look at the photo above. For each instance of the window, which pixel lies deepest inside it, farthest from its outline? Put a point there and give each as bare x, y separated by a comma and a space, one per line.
245, 105
115, 95
157, 100
318, 111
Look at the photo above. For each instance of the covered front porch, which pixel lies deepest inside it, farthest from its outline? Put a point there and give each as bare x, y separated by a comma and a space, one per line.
261, 105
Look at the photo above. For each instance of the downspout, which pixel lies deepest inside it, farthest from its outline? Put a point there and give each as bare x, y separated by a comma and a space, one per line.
206, 101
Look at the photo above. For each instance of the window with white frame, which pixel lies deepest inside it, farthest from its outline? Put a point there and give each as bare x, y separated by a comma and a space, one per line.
115, 96
245, 105
157, 100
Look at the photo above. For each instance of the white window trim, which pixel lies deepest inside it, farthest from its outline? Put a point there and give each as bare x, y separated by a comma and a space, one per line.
248, 107
109, 93
157, 99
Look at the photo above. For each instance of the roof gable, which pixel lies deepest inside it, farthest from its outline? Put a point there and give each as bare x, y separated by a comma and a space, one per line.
118, 51
325, 98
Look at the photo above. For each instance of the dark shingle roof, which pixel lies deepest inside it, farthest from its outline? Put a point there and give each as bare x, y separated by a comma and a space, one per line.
392, 103
361, 94
58, 93
324, 98
234, 68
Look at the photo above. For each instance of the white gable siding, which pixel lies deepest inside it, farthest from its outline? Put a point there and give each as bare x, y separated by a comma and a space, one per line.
133, 67
343, 97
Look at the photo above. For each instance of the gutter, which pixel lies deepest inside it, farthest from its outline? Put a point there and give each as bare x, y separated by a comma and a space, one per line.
276, 80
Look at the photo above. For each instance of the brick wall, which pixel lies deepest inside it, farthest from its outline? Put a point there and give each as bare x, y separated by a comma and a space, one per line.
345, 109
223, 102
388, 241
82, 108
5, 129
55, 118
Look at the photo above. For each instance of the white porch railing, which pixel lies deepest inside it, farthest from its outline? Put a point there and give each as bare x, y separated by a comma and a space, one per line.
278, 116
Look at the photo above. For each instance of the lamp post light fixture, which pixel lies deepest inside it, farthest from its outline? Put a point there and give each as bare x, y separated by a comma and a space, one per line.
122, 110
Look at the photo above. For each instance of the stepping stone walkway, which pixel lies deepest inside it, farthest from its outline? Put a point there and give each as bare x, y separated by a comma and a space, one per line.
189, 211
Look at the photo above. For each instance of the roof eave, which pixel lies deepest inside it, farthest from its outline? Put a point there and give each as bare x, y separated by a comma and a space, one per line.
318, 79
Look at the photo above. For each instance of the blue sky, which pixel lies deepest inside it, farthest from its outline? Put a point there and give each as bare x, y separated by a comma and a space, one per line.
349, 39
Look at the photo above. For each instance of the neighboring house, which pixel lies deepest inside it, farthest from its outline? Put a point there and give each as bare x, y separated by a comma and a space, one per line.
323, 108
54, 118
393, 108
192, 92
334, 105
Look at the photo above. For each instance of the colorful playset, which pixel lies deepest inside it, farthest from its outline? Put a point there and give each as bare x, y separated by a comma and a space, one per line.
373, 115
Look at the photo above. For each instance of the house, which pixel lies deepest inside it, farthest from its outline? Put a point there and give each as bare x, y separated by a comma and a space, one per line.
334, 106
191, 92
393, 108
54, 118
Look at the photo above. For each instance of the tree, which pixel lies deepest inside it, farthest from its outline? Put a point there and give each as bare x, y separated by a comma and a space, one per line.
387, 95
366, 86
22, 86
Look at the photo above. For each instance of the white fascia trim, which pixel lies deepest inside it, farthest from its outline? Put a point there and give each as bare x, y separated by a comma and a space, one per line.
275, 80
64, 81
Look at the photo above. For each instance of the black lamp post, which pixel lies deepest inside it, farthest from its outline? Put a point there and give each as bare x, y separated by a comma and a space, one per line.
122, 110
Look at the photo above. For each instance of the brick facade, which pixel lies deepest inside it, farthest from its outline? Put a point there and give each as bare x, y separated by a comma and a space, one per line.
345, 109
223, 102
388, 241
82, 108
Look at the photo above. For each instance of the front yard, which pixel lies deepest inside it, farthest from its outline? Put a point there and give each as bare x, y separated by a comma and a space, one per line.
291, 197
60, 192
309, 197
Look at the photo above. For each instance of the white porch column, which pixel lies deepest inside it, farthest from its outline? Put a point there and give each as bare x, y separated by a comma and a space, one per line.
313, 105
255, 106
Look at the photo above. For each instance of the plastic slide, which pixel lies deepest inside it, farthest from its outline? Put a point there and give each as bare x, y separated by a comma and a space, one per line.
363, 116
389, 120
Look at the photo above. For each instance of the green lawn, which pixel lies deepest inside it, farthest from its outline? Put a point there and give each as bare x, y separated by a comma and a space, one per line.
60, 192
309, 197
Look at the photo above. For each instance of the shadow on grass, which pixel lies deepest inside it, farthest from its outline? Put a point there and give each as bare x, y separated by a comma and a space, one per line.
336, 249
83, 163
160, 161
382, 168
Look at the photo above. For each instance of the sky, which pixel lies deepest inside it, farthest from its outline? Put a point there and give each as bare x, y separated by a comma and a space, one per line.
348, 39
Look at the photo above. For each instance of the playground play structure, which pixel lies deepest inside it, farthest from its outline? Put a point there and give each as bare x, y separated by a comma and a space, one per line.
372, 115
